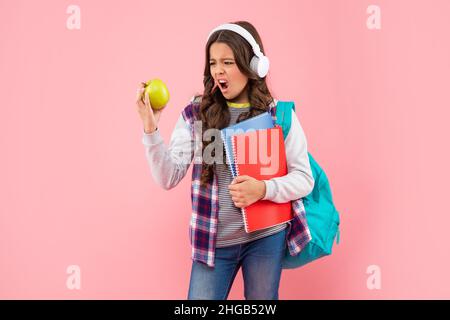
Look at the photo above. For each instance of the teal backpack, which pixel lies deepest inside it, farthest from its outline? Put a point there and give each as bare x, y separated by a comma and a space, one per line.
321, 214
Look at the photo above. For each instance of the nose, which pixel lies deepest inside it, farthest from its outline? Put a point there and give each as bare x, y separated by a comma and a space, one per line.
220, 72
219, 69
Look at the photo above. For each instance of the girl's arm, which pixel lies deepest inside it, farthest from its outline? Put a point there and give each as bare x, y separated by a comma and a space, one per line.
169, 165
299, 181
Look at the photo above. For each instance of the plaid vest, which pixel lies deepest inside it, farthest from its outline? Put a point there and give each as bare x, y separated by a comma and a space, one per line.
205, 208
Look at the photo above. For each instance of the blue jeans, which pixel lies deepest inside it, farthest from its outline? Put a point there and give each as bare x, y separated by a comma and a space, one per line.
261, 269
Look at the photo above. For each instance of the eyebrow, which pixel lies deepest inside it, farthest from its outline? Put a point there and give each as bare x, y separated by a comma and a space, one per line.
221, 59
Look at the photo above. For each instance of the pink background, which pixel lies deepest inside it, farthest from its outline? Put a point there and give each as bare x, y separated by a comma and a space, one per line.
75, 187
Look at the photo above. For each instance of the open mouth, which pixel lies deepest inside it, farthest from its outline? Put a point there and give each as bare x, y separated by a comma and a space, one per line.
223, 84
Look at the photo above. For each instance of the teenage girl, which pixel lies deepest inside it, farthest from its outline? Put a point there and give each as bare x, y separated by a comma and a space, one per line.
235, 89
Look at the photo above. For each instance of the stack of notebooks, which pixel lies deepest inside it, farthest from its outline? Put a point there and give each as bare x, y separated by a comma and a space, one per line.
255, 147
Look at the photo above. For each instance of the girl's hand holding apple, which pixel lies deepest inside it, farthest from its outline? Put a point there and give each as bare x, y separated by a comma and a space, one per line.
151, 99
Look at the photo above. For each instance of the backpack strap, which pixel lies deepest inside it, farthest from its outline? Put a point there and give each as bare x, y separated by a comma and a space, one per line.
284, 115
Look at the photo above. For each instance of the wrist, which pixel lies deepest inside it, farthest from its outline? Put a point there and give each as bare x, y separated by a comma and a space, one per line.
149, 130
263, 189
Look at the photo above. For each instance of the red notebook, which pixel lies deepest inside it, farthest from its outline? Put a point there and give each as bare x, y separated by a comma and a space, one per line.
261, 154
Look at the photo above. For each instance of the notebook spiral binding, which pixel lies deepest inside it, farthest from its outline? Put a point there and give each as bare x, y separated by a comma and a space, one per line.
236, 168
230, 163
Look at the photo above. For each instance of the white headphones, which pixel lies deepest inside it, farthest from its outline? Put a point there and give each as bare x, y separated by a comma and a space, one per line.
259, 62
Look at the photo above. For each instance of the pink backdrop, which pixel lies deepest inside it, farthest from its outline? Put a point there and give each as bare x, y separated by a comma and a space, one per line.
75, 188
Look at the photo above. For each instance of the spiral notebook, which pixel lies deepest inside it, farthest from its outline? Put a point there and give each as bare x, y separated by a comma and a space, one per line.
261, 121
261, 154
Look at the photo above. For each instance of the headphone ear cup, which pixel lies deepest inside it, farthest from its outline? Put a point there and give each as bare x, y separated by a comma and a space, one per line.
254, 64
260, 65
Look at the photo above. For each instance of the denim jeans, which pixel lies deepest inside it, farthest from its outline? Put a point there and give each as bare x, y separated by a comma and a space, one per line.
261, 269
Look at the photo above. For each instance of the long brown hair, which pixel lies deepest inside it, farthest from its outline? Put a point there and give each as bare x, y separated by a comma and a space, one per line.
214, 112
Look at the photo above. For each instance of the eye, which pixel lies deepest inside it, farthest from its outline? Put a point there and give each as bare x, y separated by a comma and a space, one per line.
227, 62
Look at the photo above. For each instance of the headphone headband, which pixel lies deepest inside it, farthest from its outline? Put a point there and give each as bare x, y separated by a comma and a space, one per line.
241, 31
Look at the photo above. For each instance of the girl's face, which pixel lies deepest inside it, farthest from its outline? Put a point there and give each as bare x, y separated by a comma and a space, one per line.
223, 67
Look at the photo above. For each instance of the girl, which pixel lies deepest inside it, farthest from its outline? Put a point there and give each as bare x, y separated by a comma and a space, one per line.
235, 89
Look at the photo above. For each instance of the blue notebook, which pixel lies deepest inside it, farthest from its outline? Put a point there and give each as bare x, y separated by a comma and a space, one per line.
261, 121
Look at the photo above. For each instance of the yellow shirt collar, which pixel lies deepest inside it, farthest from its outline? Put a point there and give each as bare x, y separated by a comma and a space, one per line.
238, 105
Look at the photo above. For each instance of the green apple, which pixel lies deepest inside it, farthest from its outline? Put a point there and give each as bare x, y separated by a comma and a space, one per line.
157, 93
